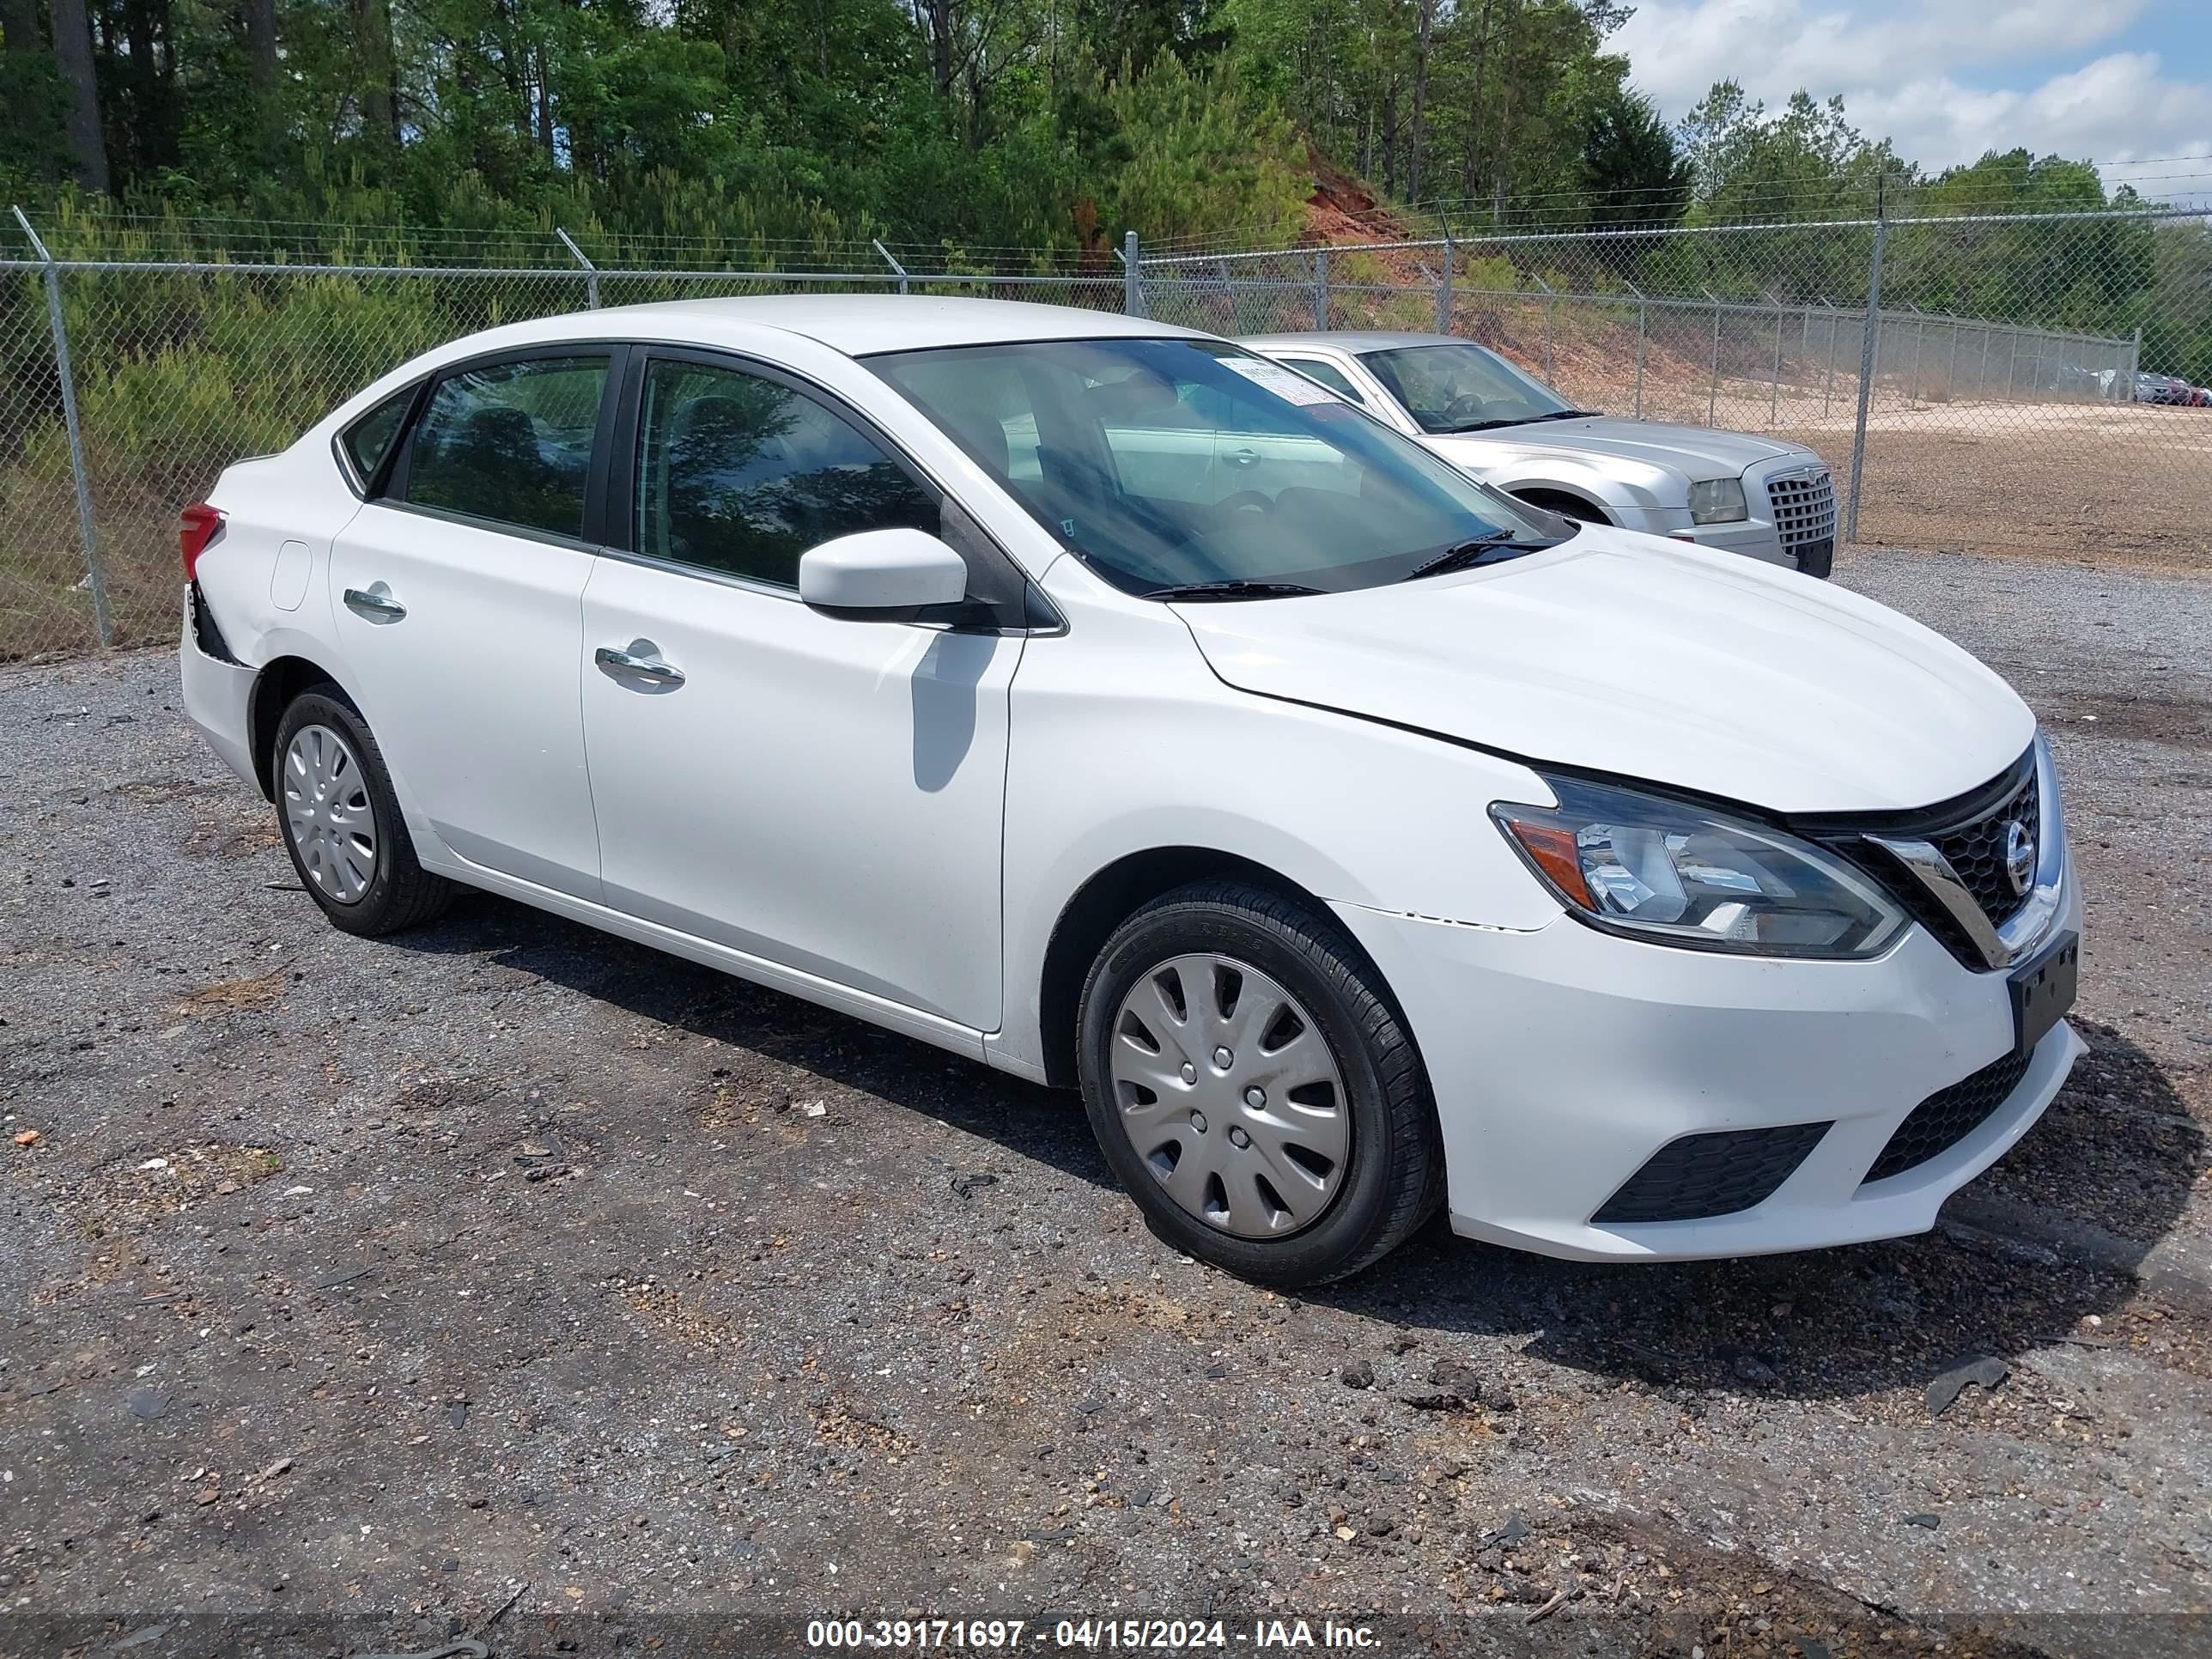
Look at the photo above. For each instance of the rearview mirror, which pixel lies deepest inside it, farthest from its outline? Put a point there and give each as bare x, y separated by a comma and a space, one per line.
881, 575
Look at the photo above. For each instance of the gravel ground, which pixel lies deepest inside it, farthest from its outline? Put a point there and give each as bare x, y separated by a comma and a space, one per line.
504, 1278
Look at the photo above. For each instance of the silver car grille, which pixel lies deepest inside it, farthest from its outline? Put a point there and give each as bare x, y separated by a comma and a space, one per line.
1804, 507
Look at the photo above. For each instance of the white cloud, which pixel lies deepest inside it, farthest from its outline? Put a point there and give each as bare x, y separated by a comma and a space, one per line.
1905, 74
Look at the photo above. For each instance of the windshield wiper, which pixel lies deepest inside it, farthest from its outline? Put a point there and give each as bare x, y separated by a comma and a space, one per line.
1235, 588
1518, 420
1481, 551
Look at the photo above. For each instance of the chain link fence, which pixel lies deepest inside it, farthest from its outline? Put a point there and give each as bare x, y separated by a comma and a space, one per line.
1984, 384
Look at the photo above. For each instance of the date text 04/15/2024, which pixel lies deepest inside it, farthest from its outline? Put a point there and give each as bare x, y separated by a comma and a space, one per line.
1156, 1635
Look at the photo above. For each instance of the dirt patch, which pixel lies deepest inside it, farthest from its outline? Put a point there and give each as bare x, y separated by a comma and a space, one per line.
232, 996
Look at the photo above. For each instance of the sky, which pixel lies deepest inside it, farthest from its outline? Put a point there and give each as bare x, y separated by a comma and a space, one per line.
2121, 83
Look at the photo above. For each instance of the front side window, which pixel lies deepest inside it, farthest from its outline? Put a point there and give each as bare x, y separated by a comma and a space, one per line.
1166, 463
741, 475
1464, 388
510, 443
1329, 374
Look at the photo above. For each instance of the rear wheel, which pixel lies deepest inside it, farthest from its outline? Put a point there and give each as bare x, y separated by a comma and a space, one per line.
341, 821
1254, 1088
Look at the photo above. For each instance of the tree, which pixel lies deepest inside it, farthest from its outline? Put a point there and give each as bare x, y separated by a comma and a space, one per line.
88, 142
1630, 167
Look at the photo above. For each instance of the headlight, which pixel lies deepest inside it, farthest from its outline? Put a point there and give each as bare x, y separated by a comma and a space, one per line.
1718, 500
1679, 874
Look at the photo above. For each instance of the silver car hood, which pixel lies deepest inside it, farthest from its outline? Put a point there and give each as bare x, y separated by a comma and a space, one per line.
1693, 452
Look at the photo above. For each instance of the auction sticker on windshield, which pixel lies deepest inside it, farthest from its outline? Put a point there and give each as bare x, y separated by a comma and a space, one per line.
1286, 382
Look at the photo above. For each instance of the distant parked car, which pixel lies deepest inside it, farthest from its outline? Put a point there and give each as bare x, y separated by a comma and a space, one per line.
1760, 497
2163, 389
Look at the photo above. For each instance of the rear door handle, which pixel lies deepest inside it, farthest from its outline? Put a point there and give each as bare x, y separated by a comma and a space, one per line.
1241, 456
376, 605
639, 666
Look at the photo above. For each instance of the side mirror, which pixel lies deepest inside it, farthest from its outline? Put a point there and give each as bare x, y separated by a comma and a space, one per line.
881, 575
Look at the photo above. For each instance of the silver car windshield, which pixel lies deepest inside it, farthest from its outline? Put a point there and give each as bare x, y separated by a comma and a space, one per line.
1464, 388
1171, 465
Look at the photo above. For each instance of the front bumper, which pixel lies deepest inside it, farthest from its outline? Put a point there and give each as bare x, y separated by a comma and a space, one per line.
1563, 1058
1753, 537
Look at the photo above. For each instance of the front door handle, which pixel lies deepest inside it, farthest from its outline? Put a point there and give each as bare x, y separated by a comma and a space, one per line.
376, 605
639, 665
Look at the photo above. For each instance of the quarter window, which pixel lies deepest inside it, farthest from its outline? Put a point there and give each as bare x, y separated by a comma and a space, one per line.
741, 475
368, 439
510, 442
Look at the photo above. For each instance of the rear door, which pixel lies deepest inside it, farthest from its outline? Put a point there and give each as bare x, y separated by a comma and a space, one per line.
458, 594
824, 793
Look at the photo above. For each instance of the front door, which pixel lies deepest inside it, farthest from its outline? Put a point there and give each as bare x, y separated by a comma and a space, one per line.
823, 793
459, 603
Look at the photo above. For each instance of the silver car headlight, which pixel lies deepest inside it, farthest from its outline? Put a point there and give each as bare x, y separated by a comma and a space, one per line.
1678, 874
1718, 500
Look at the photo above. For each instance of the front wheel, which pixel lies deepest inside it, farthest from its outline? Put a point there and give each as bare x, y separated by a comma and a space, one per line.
1255, 1089
341, 821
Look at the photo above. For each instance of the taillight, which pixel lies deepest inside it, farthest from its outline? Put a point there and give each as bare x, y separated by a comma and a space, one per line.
201, 525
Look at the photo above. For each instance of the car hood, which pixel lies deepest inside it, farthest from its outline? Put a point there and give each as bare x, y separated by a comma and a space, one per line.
1695, 452
1642, 658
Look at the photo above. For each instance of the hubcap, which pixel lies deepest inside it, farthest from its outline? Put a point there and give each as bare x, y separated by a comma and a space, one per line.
326, 809
1206, 1041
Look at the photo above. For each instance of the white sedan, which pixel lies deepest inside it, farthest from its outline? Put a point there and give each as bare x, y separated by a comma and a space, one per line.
1112, 706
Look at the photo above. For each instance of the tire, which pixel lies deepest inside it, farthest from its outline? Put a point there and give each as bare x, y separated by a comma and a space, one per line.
1270, 1207
339, 766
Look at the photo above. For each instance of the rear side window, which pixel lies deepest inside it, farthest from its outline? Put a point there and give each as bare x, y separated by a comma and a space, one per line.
368, 439
741, 475
1328, 374
510, 442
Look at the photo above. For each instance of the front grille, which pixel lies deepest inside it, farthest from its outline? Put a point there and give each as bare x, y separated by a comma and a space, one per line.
1977, 852
1708, 1174
1948, 1116
1804, 507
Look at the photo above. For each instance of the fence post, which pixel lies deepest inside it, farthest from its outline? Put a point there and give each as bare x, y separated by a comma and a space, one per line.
1551, 311
2135, 363
1869, 357
897, 269
1951, 367
1713, 383
591, 271
2012, 364
1828, 390
1643, 320
1133, 277
1321, 288
95, 578
1774, 388
1444, 283
1919, 339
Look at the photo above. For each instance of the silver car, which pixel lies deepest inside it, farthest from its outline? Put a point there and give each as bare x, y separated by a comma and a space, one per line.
1760, 497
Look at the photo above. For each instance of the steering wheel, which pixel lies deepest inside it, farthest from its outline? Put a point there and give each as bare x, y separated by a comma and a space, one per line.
1465, 407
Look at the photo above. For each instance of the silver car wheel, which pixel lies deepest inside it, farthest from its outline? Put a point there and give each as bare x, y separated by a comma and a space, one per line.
1228, 1091
326, 808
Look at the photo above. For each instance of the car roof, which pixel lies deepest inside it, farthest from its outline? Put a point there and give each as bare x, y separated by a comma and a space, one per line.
1351, 339
855, 324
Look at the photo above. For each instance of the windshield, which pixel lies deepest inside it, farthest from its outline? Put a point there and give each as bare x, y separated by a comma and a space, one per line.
1463, 388
1166, 463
